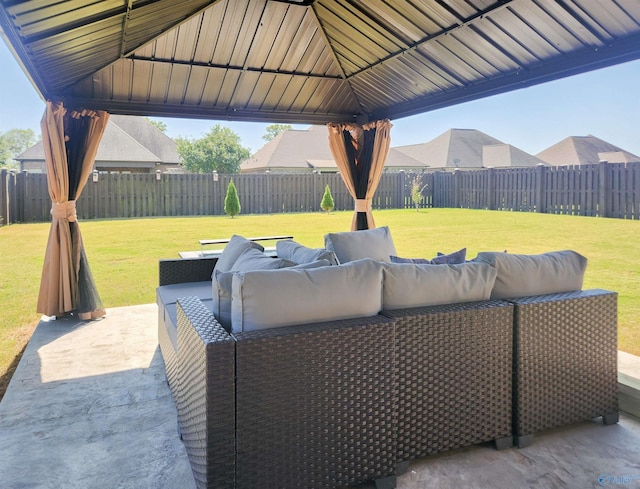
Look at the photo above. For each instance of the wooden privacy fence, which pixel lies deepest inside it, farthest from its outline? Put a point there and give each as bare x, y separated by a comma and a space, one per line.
606, 190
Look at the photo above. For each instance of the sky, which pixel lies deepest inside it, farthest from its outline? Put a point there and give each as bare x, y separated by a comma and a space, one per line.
604, 103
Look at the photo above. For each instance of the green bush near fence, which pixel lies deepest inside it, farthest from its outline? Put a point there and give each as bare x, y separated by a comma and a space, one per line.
124, 254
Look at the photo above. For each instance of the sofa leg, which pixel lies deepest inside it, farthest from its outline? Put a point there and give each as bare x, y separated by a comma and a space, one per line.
523, 440
386, 482
502, 443
611, 418
402, 467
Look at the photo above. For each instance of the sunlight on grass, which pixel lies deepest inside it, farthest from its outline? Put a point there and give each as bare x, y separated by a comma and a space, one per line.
124, 254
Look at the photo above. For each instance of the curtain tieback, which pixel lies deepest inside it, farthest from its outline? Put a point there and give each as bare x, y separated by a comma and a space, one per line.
362, 205
64, 210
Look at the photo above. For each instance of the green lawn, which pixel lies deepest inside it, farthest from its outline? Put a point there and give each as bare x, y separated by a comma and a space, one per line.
124, 253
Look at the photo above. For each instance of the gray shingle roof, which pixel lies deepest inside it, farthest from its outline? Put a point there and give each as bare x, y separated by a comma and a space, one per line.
455, 148
125, 139
468, 148
149, 136
506, 155
585, 150
296, 149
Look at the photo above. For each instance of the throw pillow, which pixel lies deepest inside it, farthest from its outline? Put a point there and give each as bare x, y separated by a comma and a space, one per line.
253, 259
418, 261
236, 246
302, 254
454, 258
376, 244
526, 275
442, 259
408, 285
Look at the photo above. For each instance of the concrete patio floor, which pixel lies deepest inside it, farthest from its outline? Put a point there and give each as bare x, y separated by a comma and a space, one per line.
88, 407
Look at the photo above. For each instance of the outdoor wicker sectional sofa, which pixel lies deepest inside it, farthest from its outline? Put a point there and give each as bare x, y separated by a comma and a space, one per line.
341, 401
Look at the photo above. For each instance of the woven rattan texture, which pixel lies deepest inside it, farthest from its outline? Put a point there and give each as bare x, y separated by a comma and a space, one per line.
206, 400
566, 359
185, 270
454, 376
316, 405
168, 355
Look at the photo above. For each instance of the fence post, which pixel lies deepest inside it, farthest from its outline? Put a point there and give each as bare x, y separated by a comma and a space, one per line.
541, 171
12, 203
4, 197
402, 182
604, 191
315, 190
23, 201
267, 173
491, 191
457, 187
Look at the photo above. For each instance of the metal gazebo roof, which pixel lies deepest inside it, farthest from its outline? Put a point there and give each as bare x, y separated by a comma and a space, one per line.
307, 61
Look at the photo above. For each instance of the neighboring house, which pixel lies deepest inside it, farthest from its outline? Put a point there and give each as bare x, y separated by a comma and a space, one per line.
585, 150
129, 144
467, 149
308, 150
506, 155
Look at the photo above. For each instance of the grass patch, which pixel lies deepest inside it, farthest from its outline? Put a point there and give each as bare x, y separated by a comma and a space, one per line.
124, 254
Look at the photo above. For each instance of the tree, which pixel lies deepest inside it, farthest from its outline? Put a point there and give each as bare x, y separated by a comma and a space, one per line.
274, 129
14, 142
417, 187
218, 150
231, 201
161, 126
327, 204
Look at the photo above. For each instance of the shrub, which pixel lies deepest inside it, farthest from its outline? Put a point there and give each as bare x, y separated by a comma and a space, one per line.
327, 200
417, 187
231, 201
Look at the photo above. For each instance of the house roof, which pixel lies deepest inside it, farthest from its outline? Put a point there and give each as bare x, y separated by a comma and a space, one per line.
126, 139
152, 138
467, 148
307, 61
585, 150
506, 155
296, 149
455, 148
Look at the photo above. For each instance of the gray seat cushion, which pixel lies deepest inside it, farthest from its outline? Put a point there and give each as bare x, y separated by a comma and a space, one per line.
167, 295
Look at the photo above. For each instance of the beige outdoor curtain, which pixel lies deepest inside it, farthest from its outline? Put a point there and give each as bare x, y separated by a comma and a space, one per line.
360, 153
71, 139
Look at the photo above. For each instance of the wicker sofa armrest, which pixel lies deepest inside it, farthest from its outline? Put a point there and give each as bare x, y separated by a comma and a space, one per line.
180, 270
454, 376
206, 394
316, 404
565, 363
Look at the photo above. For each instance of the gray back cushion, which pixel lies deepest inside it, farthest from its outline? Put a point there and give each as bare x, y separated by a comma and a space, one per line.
409, 285
302, 254
250, 259
376, 244
270, 299
526, 275
236, 246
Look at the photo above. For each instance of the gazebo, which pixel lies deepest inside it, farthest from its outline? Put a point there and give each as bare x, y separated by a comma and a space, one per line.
353, 65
